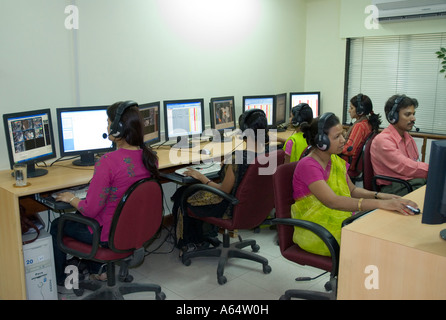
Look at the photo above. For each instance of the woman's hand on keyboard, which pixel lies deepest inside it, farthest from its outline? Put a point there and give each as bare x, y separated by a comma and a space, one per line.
190, 172
65, 197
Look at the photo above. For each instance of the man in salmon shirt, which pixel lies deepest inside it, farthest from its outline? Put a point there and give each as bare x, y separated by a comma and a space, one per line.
394, 152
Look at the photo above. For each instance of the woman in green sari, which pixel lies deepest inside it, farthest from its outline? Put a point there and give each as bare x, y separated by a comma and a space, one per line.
324, 193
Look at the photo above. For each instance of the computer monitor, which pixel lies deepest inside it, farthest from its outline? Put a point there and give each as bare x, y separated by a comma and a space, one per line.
83, 132
313, 99
281, 106
222, 113
30, 139
434, 211
151, 119
183, 119
265, 102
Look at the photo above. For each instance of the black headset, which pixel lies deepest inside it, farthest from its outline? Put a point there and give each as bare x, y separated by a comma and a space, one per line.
360, 110
247, 114
296, 112
116, 126
322, 140
393, 116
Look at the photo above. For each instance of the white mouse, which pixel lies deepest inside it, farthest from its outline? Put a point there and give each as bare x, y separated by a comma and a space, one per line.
205, 151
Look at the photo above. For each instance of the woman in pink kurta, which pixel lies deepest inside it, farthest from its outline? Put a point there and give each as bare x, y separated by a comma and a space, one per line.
114, 173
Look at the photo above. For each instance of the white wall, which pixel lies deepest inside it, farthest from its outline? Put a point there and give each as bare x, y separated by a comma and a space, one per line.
147, 50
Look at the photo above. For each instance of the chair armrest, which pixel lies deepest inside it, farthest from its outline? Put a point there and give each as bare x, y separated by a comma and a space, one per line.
358, 215
404, 182
89, 222
200, 186
317, 229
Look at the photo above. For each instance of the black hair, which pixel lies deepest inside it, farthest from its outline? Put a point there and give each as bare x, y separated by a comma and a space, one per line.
133, 134
311, 130
404, 103
256, 121
373, 118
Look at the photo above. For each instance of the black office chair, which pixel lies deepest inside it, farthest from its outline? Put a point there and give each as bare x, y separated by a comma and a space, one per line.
136, 221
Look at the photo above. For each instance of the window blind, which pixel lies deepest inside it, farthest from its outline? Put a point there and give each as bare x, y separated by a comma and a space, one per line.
383, 66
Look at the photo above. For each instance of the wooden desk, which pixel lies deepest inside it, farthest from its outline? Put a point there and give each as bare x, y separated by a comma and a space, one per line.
60, 176
408, 257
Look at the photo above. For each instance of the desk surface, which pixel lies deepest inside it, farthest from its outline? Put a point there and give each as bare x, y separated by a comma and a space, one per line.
408, 257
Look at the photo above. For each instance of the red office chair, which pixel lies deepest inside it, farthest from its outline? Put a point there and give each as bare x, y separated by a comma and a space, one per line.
252, 203
283, 195
136, 220
369, 177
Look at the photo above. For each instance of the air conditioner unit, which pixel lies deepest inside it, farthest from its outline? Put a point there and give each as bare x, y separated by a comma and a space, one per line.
405, 10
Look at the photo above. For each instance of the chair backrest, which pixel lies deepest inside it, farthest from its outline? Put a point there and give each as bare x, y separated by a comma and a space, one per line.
137, 217
283, 195
255, 192
357, 168
368, 172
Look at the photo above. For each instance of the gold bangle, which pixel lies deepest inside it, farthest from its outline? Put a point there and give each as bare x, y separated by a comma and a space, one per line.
376, 195
359, 204
71, 199
208, 181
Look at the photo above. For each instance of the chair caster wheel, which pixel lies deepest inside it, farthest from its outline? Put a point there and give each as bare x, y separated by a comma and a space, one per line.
187, 262
283, 297
266, 269
255, 248
328, 286
222, 280
160, 296
78, 292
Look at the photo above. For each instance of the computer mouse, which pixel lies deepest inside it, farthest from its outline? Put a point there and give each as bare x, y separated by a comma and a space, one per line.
414, 210
205, 151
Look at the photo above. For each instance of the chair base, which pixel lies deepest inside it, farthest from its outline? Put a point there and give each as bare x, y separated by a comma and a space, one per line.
225, 251
313, 295
110, 290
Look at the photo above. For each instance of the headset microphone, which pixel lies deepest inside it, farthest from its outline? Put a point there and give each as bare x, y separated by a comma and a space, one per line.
104, 135
416, 129
350, 148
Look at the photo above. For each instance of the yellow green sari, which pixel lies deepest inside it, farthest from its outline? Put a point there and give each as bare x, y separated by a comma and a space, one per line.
309, 208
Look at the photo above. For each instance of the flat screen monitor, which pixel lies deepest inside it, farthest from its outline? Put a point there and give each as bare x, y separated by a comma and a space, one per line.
265, 102
151, 118
83, 132
30, 139
281, 106
434, 211
313, 99
222, 113
183, 119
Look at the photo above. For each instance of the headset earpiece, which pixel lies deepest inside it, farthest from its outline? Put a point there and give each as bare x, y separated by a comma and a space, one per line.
393, 116
322, 139
296, 112
246, 115
360, 110
116, 126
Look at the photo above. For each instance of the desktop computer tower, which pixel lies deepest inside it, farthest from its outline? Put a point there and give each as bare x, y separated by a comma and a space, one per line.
40, 274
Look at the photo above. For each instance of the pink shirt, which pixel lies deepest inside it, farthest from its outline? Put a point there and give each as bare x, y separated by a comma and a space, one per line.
307, 171
114, 173
396, 157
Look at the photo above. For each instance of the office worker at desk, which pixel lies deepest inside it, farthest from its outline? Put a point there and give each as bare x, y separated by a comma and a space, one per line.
323, 191
190, 236
114, 173
394, 152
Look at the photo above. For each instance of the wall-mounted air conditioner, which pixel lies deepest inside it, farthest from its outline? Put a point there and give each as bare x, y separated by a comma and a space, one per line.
400, 10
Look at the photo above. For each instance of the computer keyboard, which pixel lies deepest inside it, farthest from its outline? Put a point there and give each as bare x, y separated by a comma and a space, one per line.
80, 192
204, 168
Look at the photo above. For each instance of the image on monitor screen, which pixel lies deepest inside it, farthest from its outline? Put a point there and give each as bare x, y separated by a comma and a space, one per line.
265, 102
151, 118
83, 132
313, 99
222, 113
183, 119
280, 115
30, 139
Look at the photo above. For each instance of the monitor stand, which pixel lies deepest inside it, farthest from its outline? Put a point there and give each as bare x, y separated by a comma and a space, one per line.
223, 138
443, 234
86, 160
183, 143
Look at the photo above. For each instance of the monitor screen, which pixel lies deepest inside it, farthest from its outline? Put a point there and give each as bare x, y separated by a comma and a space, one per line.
183, 118
313, 99
266, 103
30, 139
281, 106
151, 118
434, 211
83, 132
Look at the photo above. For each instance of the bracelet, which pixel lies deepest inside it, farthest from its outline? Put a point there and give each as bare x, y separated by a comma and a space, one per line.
71, 199
359, 204
376, 195
208, 181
